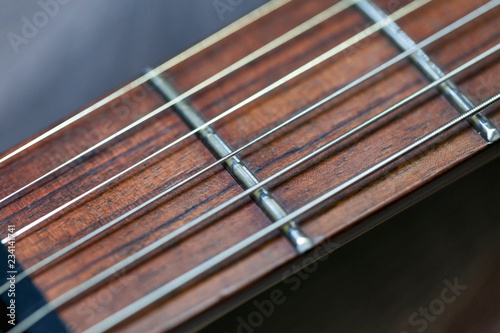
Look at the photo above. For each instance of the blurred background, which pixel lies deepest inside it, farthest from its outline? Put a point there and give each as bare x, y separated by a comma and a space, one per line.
86, 49
376, 283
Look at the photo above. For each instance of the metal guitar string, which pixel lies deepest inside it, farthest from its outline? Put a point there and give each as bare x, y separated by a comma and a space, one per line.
159, 244
295, 32
193, 50
304, 68
43, 264
206, 268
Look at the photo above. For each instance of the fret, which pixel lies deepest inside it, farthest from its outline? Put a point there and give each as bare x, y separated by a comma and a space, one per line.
234, 165
461, 102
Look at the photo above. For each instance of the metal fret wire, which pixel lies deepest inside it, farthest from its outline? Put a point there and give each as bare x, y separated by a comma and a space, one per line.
325, 56
207, 42
157, 245
452, 27
243, 246
307, 25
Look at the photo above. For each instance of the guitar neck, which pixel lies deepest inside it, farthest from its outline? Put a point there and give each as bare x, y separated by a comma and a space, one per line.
308, 87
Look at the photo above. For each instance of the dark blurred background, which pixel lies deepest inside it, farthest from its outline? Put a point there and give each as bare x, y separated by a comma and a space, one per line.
374, 284
87, 49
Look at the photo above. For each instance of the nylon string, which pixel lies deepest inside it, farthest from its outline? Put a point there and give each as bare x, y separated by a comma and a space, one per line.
43, 264
167, 289
327, 55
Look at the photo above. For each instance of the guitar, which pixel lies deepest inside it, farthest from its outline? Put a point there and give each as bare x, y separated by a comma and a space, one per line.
271, 143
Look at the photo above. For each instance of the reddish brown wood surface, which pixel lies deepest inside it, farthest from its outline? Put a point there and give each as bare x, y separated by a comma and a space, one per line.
317, 177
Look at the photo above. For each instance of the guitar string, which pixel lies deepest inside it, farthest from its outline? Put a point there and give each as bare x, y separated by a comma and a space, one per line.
470, 114
295, 32
193, 50
169, 239
243, 247
43, 264
304, 68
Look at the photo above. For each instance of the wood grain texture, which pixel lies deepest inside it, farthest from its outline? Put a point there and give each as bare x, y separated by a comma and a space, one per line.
346, 210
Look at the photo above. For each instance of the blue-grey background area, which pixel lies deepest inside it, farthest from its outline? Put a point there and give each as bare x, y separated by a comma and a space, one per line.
88, 48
